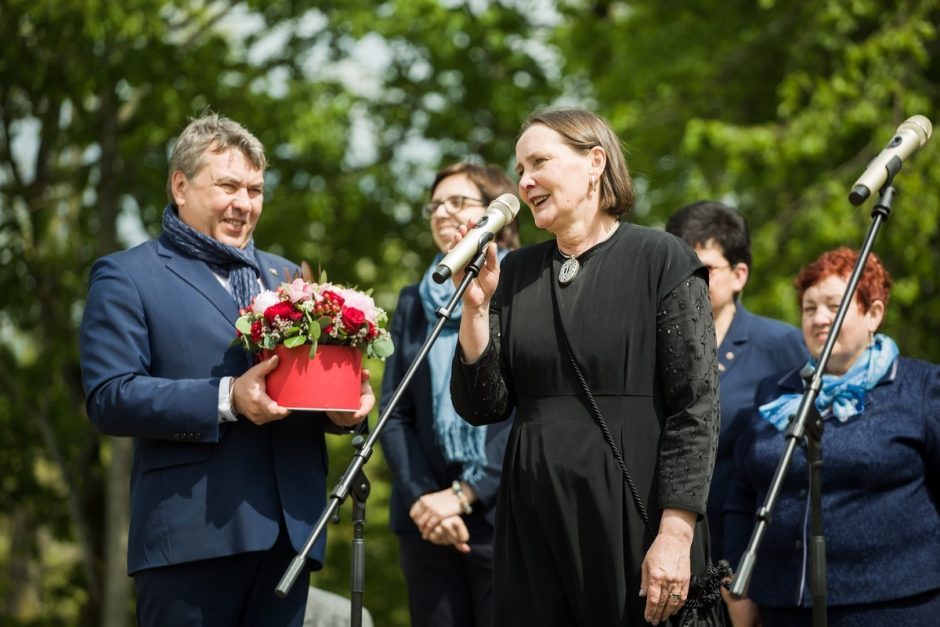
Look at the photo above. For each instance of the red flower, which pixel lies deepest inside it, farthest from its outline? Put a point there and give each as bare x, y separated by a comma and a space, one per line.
284, 310
353, 318
372, 332
256, 331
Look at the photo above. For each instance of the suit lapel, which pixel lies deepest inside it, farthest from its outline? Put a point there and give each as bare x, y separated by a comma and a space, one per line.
272, 275
735, 343
197, 274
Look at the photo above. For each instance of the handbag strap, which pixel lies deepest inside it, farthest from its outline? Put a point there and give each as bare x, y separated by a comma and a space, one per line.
595, 410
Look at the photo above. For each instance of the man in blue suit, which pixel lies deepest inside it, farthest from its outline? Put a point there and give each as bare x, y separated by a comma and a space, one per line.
226, 484
750, 347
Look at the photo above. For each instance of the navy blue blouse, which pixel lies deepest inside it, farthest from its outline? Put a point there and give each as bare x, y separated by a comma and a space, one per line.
881, 496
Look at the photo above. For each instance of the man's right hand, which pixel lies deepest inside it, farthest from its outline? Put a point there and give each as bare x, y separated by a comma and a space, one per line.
250, 396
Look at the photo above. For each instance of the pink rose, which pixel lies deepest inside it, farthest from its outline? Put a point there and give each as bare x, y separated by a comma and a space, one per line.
299, 290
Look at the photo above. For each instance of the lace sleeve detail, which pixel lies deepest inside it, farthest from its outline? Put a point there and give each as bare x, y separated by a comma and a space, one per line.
479, 390
688, 369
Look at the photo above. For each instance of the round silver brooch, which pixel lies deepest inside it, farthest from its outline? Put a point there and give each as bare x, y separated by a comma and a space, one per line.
569, 270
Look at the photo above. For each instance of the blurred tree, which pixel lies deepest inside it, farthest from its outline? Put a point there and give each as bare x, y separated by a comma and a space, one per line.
357, 104
776, 108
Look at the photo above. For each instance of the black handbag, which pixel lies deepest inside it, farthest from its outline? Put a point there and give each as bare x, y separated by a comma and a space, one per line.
703, 606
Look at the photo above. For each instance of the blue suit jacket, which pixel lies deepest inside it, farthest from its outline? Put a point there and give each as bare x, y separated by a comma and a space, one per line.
753, 348
155, 341
880, 496
408, 439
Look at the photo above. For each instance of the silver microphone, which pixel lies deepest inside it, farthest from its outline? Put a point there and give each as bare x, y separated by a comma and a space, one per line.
501, 212
911, 136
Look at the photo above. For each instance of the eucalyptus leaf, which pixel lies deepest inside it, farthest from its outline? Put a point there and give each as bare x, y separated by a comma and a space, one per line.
243, 324
294, 341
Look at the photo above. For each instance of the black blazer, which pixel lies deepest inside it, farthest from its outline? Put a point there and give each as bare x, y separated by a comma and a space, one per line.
408, 440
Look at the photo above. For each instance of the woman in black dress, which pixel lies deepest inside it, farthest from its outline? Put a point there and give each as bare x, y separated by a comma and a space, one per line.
574, 544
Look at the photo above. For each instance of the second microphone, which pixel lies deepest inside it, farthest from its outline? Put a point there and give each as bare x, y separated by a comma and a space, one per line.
498, 214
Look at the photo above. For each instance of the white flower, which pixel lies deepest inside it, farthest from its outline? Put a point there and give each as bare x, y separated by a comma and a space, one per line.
264, 300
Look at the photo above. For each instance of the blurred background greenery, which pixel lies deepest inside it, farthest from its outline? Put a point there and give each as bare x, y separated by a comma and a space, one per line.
774, 107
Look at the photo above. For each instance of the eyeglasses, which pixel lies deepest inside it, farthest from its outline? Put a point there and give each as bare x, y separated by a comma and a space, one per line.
452, 205
714, 269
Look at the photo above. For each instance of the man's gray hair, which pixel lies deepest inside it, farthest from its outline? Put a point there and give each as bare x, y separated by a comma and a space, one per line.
215, 132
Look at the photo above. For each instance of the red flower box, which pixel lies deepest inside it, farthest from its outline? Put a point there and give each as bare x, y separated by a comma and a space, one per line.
331, 380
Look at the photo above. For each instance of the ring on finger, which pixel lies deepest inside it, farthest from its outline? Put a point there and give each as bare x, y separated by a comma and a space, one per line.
675, 597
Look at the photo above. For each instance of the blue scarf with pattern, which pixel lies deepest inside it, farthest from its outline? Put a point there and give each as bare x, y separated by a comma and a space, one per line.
460, 442
238, 265
843, 395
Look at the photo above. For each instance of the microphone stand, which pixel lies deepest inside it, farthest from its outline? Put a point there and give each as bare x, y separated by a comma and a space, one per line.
355, 480
809, 424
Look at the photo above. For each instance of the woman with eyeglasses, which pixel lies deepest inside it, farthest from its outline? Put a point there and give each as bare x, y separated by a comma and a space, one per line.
445, 472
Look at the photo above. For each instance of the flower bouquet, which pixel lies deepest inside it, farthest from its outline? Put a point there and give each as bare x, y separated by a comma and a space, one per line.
320, 332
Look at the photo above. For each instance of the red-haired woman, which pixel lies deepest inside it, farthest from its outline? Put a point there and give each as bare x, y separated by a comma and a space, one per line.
880, 476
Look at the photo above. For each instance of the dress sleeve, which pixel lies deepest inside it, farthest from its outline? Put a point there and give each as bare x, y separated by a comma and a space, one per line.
688, 369
479, 391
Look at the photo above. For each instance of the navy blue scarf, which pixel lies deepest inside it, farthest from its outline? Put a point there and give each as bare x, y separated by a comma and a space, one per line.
238, 265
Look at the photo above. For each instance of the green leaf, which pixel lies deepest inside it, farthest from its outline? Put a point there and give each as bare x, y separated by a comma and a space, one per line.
294, 341
243, 324
313, 349
382, 348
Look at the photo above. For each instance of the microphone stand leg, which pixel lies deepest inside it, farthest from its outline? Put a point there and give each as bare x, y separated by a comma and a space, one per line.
817, 540
357, 566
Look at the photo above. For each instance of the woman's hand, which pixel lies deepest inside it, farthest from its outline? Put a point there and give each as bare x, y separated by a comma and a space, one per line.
451, 531
666, 570
474, 319
431, 509
743, 612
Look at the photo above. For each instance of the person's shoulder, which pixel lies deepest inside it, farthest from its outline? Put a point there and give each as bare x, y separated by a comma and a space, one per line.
276, 264
770, 329
144, 253
649, 242
913, 368
528, 256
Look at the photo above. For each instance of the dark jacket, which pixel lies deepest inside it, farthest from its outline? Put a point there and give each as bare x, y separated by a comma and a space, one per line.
408, 439
753, 349
881, 496
156, 338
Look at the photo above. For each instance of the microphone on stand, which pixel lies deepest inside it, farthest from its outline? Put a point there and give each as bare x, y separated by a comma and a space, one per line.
501, 212
910, 137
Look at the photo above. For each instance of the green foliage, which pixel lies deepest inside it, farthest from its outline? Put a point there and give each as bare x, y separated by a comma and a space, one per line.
776, 108
773, 107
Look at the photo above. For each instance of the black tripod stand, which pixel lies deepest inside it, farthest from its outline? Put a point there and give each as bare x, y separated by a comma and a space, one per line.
808, 424
354, 479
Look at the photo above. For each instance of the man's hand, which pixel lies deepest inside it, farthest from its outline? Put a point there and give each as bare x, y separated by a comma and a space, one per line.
366, 403
250, 396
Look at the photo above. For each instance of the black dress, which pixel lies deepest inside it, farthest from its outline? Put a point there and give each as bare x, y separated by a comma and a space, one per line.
569, 540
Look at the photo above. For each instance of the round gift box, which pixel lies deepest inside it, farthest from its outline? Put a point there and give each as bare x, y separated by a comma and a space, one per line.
331, 380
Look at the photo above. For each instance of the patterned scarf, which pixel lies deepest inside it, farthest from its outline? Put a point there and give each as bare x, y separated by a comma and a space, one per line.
460, 441
236, 264
843, 395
